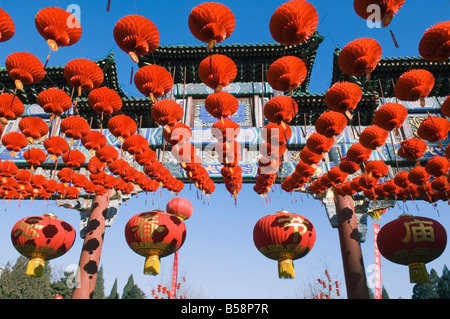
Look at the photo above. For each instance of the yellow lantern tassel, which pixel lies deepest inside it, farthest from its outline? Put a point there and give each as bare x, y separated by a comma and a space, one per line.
152, 265
418, 273
375, 215
286, 269
35, 267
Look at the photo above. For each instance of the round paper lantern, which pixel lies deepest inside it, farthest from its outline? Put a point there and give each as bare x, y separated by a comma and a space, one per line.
83, 74
73, 158
387, 9
75, 127
14, 142
56, 146
433, 129
135, 144
360, 57
319, 144
221, 104
211, 23
225, 130
7, 27
58, 26
136, 36
179, 133
348, 166
419, 176
435, 43
153, 81
11, 106
287, 73
401, 179
107, 154
412, 241
94, 140
34, 156
54, 101
42, 238
437, 166
373, 137
390, 116
377, 169
217, 71
33, 127
280, 109
412, 149
24, 68
180, 207
331, 123
358, 153
414, 85
343, 97
293, 22
122, 126
154, 235
105, 101
284, 237
445, 107
167, 112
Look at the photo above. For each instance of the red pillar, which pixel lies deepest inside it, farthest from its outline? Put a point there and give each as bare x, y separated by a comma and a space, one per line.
355, 275
92, 248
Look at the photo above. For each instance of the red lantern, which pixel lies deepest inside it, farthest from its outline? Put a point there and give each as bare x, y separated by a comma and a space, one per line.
54, 101
122, 126
7, 27
135, 144
136, 36
146, 158
445, 107
412, 149
225, 130
412, 241
153, 81
11, 106
211, 23
419, 176
343, 97
284, 237
390, 116
180, 207
34, 156
387, 9
293, 22
83, 74
95, 165
14, 142
434, 44
373, 137
331, 123
59, 27
358, 153
24, 68
377, 169
348, 166
287, 73
217, 71
74, 127
74, 158
33, 127
179, 133
107, 154
360, 57
94, 140
401, 179
414, 85
167, 112
319, 144
433, 129
105, 101
56, 146
280, 109
221, 104
437, 166
154, 235
41, 238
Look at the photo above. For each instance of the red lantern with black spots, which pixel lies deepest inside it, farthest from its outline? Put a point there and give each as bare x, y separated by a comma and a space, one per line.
412, 241
154, 235
284, 237
42, 238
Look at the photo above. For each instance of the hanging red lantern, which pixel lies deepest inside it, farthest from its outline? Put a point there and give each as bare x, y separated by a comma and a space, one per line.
305, 170
360, 57
155, 235
377, 169
319, 144
373, 137
95, 165
367, 181
348, 166
217, 71
434, 44
331, 123
412, 241
146, 158
434, 129
41, 238
33, 128
280, 109
73, 158
356, 186
401, 179
309, 157
414, 85
167, 112
343, 97
7, 27
83, 74
221, 104
419, 176
75, 127
105, 101
180, 207
211, 23
58, 27
54, 101
34, 156
153, 81
107, 154
293, 22
358, 153
225, 130
66, 175
387, 10
94, 140
135, 144
24, 68
14, 142
136, 35
412, 149
11, 106
179, 133
390, 116
122, 126
292, 234
336, 175
437, 166
56, 146
445, 107
287, 73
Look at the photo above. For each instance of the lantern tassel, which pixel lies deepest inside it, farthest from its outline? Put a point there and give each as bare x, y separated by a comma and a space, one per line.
286, 269
152, 265
418, 273
35, 267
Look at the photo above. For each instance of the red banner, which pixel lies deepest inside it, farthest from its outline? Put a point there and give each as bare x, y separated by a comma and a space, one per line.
376, 230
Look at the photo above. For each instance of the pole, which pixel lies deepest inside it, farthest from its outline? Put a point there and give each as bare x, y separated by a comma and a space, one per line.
355, 276
92, 248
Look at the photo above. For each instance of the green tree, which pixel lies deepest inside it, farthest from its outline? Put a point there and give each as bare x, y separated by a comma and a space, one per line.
114, 294
99, 291
443, 288
61, 287
132, 291
384, 293
15, 284
427, 290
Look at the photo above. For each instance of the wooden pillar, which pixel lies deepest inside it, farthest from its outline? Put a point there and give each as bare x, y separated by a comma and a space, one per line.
92, 248
355, 275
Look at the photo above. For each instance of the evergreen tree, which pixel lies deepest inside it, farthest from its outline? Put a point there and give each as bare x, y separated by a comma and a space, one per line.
99, 291
15, 284
132, 291
384, 293
444, 284
427, 290
114, 294
61, 288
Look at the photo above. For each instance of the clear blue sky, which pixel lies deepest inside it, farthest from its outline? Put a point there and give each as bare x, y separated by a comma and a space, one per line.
219, 259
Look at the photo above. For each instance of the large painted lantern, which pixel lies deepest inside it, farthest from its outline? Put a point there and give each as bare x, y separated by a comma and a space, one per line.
412, 241
154, 235
42, 238
284, 237
180, 207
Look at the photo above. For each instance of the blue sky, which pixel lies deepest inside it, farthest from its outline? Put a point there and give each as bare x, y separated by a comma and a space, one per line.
219, 259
